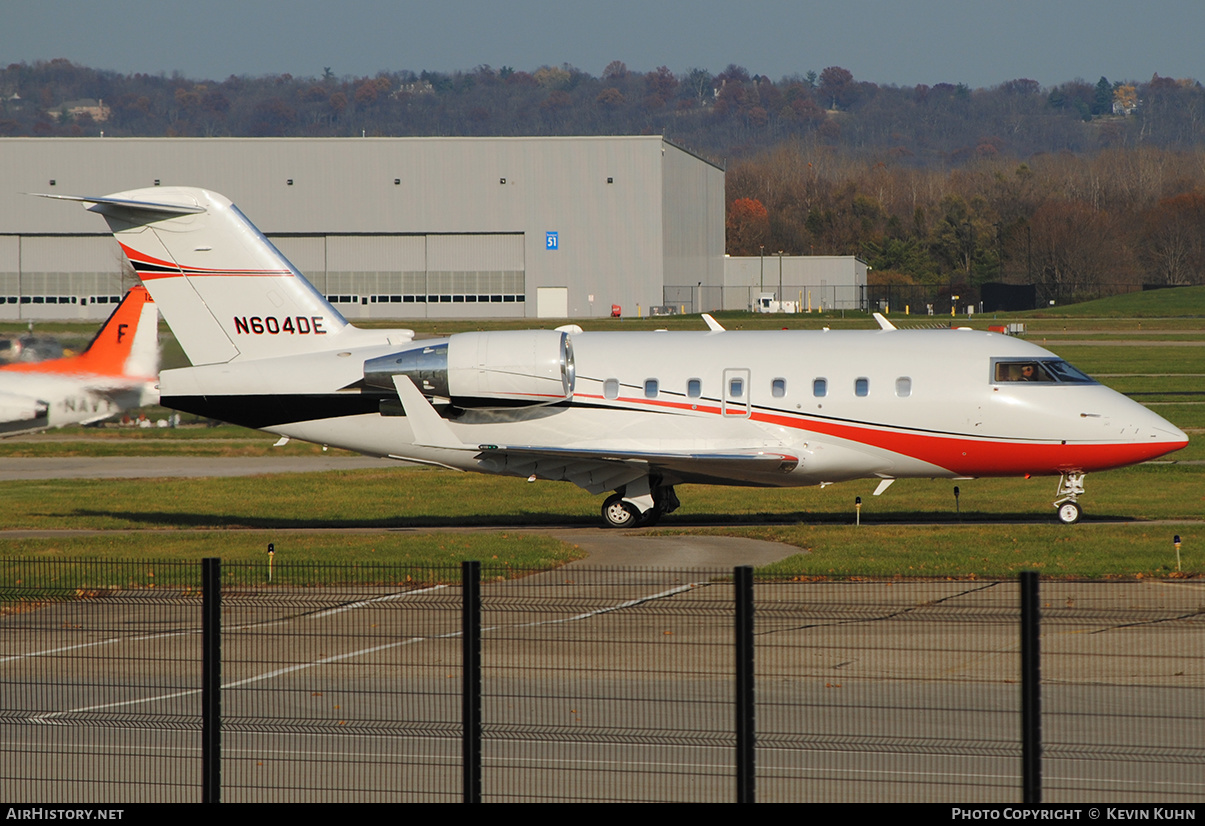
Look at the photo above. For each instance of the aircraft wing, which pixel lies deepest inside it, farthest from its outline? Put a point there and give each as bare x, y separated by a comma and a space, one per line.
601, 470
594, 469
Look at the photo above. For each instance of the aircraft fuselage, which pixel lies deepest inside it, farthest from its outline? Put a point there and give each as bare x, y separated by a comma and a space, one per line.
844, 404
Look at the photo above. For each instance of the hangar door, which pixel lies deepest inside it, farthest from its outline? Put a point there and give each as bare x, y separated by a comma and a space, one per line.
552, 302
426, 276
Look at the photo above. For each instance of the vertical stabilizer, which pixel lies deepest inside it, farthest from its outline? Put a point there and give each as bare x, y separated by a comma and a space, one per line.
224, 289
127, 345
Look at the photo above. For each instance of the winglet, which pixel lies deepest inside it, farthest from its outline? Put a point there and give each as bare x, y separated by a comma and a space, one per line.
430, 430
712, 324
884, 324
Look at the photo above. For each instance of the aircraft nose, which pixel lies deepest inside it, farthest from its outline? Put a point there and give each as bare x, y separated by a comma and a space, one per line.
1159, 434
1168, 433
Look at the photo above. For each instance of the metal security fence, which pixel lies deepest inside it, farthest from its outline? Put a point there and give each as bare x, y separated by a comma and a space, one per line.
587, 684
609, 685
344, 693
100, 682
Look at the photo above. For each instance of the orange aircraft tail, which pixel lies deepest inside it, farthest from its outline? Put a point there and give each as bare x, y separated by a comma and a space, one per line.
126, 345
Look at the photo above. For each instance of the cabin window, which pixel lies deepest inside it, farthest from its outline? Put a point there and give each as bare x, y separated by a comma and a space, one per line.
862, 386
650, 388
611, 389
736, 388
903, 387
694, 388
820, 388
778, 388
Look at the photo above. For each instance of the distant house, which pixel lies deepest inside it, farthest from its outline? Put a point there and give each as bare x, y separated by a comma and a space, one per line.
84, 106
1125, 100
419, 87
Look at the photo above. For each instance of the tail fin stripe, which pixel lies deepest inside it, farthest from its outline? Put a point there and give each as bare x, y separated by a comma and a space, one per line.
147, 266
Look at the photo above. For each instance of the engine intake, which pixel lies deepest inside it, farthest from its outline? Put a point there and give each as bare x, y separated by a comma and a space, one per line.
497, 369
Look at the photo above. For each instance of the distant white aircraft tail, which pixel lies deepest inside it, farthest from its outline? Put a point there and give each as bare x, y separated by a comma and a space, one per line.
224, 289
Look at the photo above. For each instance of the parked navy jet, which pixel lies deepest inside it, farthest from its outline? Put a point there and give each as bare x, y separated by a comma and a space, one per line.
117, 371
629, 413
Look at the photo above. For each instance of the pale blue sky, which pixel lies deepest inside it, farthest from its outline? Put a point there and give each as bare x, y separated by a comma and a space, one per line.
902, 43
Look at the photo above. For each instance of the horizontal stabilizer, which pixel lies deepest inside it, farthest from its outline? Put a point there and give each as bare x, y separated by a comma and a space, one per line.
126, 203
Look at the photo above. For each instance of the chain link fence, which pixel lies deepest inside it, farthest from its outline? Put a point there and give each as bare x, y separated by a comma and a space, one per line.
346, 684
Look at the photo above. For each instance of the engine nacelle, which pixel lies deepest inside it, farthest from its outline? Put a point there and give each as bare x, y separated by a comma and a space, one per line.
497, 369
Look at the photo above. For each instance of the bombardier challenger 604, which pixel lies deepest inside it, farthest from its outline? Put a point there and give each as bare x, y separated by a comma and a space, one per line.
631, 414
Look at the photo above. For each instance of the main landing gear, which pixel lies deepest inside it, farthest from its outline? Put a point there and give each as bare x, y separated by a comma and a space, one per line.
1071, 485
639, 504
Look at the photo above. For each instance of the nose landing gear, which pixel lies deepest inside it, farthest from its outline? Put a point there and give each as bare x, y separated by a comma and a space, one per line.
1071, 485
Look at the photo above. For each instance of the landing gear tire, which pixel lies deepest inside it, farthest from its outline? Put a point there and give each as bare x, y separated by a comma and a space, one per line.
1069, 513
617, 513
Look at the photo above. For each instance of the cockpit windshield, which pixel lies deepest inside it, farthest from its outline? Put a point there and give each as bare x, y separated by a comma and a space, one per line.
1046, 371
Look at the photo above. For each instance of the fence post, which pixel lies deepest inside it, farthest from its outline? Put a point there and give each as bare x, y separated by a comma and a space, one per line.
211, 680
1031, 692
470, 709
746, 774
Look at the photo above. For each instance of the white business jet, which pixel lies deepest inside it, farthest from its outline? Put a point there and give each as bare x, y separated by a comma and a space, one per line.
635, 413
117, 371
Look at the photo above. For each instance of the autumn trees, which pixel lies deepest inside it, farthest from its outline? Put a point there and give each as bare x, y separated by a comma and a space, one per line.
1073, 187
736, 112
1072, 225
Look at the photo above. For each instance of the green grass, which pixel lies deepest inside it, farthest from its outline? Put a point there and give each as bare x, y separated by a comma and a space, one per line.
63, 445
1176, 302
1187, 416
407, 497
986, 551
524, 551
1004, 525
1122, 358
393, 497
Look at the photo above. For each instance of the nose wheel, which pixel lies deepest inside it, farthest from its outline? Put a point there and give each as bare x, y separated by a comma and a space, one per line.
1070, 512
1071, 485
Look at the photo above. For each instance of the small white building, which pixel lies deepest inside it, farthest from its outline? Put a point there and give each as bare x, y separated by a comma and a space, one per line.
813, 282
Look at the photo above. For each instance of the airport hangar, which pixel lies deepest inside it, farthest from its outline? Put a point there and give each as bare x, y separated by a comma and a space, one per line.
399, 228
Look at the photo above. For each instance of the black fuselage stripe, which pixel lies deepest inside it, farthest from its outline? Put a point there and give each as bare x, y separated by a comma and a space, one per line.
278, 409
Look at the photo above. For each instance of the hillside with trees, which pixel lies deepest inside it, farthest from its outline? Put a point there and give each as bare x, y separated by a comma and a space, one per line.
1081, 188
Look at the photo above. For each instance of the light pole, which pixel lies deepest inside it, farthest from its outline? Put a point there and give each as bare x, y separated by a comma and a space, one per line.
780, 281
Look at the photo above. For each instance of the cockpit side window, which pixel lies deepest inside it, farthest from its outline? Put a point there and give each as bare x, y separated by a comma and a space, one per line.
1064, 372
1040, 371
